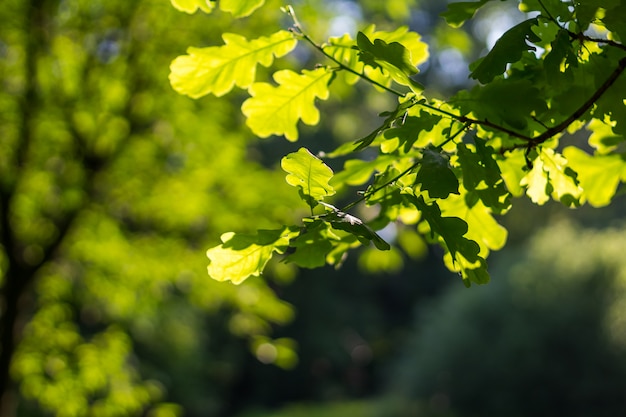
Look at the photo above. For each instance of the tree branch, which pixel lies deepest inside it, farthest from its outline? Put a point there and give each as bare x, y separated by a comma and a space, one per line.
582, 109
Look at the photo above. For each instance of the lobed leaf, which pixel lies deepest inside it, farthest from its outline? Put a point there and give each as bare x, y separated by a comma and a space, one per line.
276, 110
451, 229
240, 8
241, 256
355, 226
599, 175
458, 13
435, 175
190, 6
309, 174
217, 69
507, 49
394, 58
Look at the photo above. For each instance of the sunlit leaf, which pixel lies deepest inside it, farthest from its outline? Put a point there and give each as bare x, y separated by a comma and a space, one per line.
536, 181
276, 110
598, 175
392, 57
240, 8
217, 69
309, 174
355, 226
241, 256
190, 6
482, 227
451, 229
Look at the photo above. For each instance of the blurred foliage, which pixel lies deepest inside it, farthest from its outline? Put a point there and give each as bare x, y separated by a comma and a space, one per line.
111, 187
544, 339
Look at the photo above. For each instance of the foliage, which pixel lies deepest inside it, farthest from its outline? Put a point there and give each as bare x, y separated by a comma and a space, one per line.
449, 165
110, 183
509, 349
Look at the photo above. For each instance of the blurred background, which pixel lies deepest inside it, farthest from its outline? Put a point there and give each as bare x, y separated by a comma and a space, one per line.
113, 187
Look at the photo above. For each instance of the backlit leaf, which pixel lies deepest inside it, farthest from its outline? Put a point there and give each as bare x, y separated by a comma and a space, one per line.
276, 110
310, 248
536, 181
241, 256
451, 229
351, 224
309, 174
507, 49
217, 69
598, 175
190, 6
482, 228
240, 8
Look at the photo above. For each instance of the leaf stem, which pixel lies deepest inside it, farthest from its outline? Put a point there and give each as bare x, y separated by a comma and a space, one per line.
298, 30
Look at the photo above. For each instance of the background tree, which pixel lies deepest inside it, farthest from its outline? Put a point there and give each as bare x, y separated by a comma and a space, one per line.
111, 186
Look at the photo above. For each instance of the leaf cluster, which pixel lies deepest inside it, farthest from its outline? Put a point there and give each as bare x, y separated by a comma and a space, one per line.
445, 168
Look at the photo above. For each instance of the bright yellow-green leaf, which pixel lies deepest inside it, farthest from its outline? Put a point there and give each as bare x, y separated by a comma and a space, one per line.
190, 6
564, 185
536, 182
410, 40
341, 48
598, 175
309, 174
241, 256
240, 8
217, 69
512, 169
482, 227
276, 110
549, 176
602, 138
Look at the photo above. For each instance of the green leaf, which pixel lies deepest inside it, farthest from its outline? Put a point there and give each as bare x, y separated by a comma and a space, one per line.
458, 13
276, 110
418, 50
435, 175
310, 248
392, 57
355, 226
345, 50
358, 172
482, 228
190, 6
536, 182
408, 132
598, 175
240, 8
451, 229
217, 69
481, 174
562, 179
504, 101
550, 176
602, 138
507, 49
342, 49
241, 256
309, 174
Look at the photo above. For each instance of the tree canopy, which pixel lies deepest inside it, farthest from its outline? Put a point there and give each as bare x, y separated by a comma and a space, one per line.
113, 186
441, 168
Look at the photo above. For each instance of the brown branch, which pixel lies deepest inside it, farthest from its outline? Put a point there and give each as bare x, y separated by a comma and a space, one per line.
582, 109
